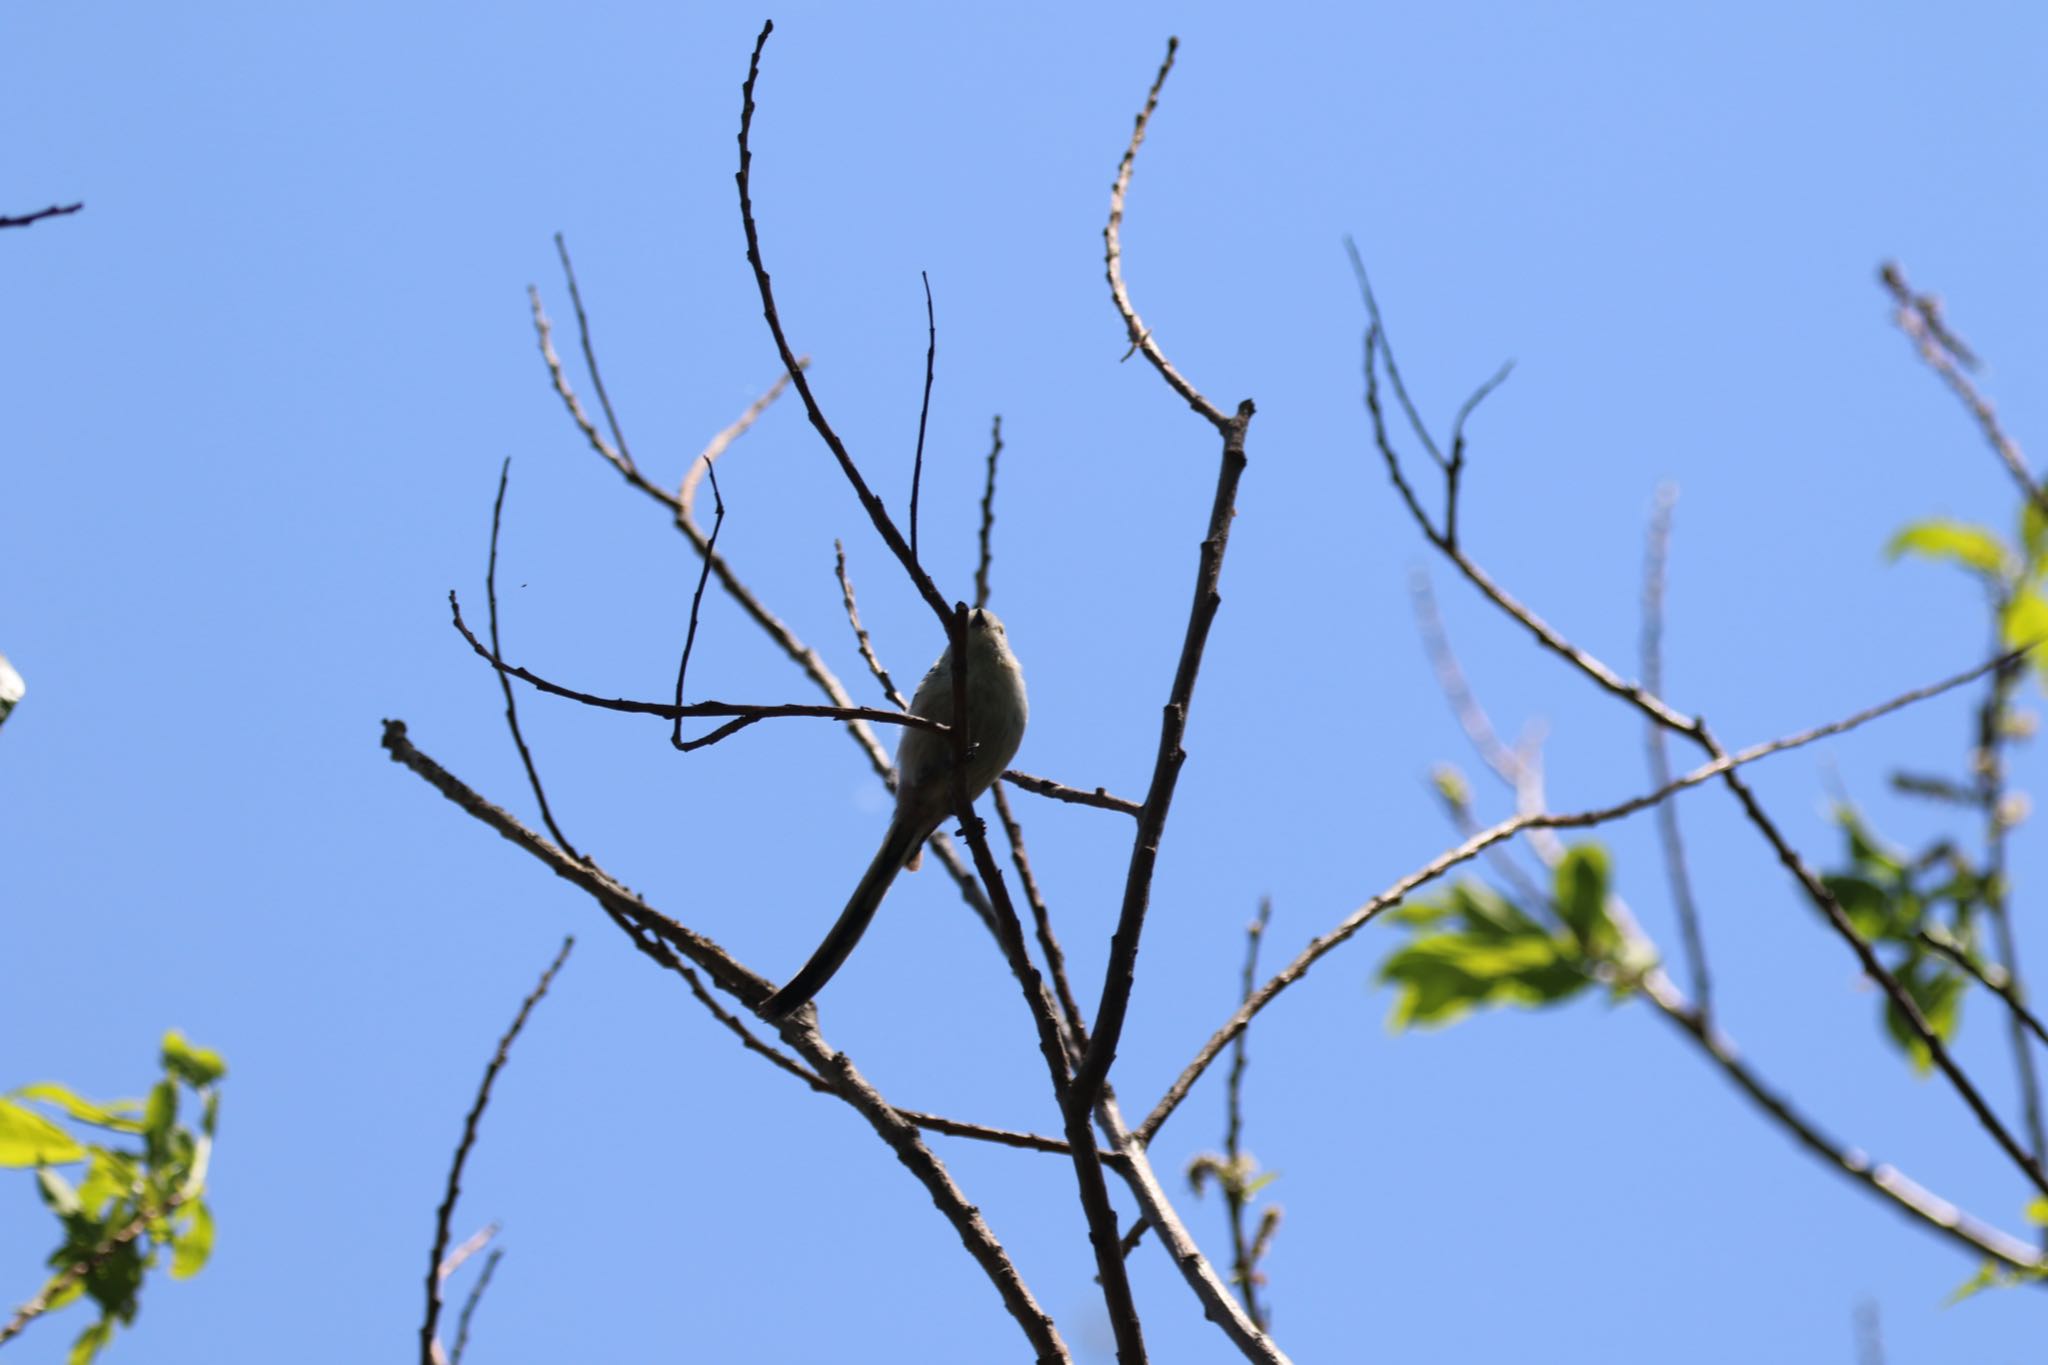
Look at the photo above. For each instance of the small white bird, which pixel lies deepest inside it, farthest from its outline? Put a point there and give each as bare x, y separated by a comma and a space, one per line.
996, 711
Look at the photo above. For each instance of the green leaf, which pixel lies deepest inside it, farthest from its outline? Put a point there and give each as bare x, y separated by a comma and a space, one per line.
1581, 891
2037, 1212
159, 1116
117, 1115
89, 1342
1938, 992
1866, 903
196, 1066
1443, 976
194, 1242
29, 1139
1975, 548
2026, 623
2034, 536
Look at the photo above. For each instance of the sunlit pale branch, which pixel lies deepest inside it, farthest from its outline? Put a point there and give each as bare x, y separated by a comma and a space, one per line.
1656, 558
1695, 729
1494, 834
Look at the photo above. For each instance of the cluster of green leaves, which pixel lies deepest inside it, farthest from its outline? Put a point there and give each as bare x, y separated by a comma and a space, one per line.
2016, 574
1906, 906
1474, 946
142, 1192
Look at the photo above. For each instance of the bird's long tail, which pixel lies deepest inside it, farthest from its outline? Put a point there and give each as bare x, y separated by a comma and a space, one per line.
901, 841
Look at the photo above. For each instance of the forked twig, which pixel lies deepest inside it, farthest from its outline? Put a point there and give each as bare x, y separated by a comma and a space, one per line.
430, 1345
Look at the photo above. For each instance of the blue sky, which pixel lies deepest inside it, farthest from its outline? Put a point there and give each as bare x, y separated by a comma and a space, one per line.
257, 397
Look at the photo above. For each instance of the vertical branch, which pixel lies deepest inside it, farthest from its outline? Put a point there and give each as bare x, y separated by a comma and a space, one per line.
1121, 975
1055, 957
430, 1345
1989, 766
1655, 558
1244, 1260
924, 410
877, 514
697, 601
1094, 1190
547, 815
988, 512
604, 399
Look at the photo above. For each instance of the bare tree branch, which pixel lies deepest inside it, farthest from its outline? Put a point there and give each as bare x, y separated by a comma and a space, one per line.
924, 410
657, 935
873, 505
988, 512
1919, 317
696, 606
1494, 834
1120, 976
1695, 729
430, 1345
1655, 558
540, 795
25, 219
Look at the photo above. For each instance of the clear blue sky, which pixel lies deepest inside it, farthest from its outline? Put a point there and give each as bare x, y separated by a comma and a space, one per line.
256, 398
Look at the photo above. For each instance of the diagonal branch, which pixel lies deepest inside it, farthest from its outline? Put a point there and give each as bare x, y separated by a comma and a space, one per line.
658, 936
430, 1345
1506, 829
877, 514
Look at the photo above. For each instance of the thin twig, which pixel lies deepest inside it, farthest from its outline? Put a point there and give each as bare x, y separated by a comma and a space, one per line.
1244, 1264
1494, 834
877, 514
988, 512
860, 632
663, 939
680, 504
604, 399
1094, 1190
1045, 786
23, 220
1415, 422
1695, 729
1113, 258
469, 1303
2020, 1013
1041, 918
670, 711
1120, 976
697, 604
1919, 317
1883, 1179
924, 409
540, 795
429, 1341
475, 1242
1656, 557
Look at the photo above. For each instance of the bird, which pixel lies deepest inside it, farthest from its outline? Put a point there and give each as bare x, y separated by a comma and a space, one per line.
997, 710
